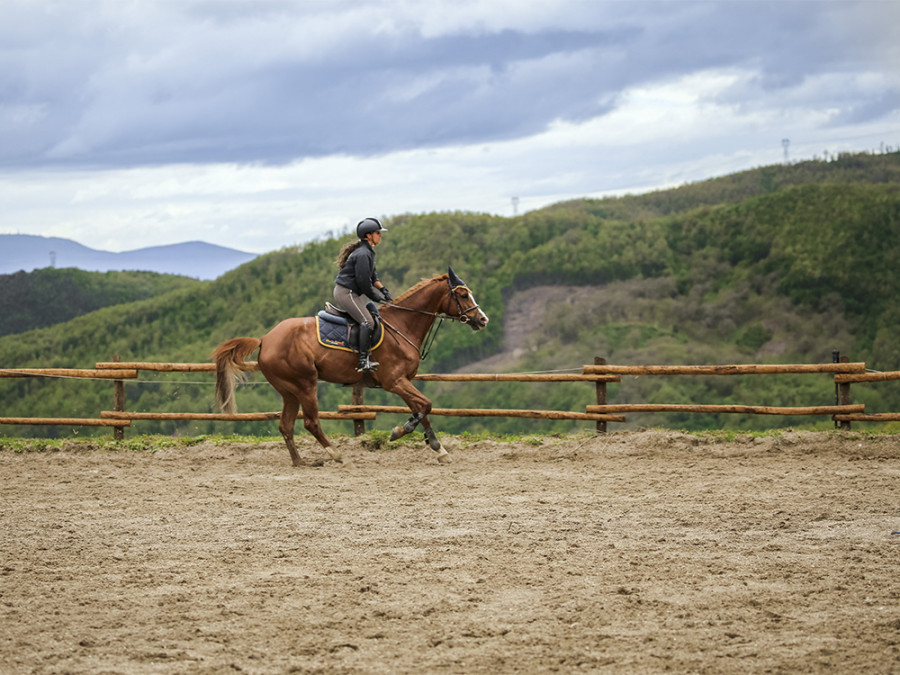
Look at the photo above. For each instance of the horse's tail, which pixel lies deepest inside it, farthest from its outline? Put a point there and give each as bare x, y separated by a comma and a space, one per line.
229, 357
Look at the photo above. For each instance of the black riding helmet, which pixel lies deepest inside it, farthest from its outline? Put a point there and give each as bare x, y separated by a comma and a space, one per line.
369, 225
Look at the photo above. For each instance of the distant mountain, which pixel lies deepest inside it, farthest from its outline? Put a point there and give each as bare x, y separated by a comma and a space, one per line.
25, 252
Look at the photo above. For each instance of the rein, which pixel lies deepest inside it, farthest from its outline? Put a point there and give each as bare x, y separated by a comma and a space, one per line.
462, 317
425, 347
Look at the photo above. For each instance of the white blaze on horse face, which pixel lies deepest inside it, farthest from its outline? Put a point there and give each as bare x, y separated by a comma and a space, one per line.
481, 314
481, 319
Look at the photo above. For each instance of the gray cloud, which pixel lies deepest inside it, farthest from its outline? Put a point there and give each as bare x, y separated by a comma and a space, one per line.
109, 84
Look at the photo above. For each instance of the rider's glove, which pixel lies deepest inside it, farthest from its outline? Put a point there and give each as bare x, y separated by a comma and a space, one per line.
387, 294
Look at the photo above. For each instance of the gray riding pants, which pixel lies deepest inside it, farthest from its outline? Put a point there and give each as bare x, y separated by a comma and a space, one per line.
354, 305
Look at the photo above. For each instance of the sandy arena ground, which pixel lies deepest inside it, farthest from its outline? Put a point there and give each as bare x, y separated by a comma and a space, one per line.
631, 552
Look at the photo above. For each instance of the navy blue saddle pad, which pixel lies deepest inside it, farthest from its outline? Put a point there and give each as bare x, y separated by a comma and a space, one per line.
336, 332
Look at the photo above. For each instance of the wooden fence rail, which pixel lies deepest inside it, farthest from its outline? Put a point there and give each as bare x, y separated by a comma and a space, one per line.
747, 369
78, 373
166, 367
65, 421
228, 417
741, 409
486, 412
873, 417
517, 377
868, 377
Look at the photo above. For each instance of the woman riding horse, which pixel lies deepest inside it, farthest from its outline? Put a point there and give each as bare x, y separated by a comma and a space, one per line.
358, 278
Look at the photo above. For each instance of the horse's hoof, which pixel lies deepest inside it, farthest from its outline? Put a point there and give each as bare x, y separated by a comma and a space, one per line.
396, 433
444, 457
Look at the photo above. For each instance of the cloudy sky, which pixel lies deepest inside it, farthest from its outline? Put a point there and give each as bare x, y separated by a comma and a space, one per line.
258, 124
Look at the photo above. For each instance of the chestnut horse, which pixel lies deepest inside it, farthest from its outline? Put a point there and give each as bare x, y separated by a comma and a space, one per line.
293, 360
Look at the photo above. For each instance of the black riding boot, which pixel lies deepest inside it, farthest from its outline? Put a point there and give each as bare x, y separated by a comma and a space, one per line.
365, 362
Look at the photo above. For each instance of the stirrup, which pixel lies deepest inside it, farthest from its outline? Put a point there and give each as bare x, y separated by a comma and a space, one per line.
366, 364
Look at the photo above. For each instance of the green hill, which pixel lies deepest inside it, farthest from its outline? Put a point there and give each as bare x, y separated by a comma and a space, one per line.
49, 296
778, 264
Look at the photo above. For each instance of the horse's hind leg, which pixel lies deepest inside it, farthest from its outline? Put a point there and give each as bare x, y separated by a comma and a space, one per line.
286, 426
310, 406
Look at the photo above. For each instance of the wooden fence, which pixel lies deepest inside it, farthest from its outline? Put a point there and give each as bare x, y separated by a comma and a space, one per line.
599, 374
843, 382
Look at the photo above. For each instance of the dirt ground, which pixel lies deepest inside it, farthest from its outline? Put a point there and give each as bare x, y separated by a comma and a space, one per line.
629, 552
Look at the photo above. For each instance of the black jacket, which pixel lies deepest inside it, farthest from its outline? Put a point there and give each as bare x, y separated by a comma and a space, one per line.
358, 273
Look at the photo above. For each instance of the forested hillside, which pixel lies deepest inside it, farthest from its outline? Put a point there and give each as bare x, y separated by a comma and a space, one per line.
778, 264
49, 296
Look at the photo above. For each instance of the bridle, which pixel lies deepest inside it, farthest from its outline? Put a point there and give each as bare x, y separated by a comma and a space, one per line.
462, 317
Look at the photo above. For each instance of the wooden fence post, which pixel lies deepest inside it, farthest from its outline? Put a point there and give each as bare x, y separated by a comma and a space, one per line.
358, 398
844, 395
118, 403
601, 393
836, 358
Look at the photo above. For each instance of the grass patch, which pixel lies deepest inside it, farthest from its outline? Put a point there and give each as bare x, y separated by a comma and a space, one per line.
380, 439
151, 443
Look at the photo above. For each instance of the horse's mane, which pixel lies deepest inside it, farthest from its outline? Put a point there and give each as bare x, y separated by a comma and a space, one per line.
425, 282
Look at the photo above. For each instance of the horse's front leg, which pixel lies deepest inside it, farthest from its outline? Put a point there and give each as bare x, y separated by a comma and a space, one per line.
415, 401
420, 407
433, 442
401, 430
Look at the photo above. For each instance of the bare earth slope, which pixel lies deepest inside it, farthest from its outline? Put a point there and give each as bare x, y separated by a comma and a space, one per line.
631, 552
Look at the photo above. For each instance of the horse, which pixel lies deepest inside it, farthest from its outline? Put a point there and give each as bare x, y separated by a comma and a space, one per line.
293, 360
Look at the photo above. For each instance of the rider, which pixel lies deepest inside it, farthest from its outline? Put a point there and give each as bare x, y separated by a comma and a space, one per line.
358, 278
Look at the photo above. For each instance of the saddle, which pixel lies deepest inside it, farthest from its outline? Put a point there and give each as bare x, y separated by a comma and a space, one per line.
336, 329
